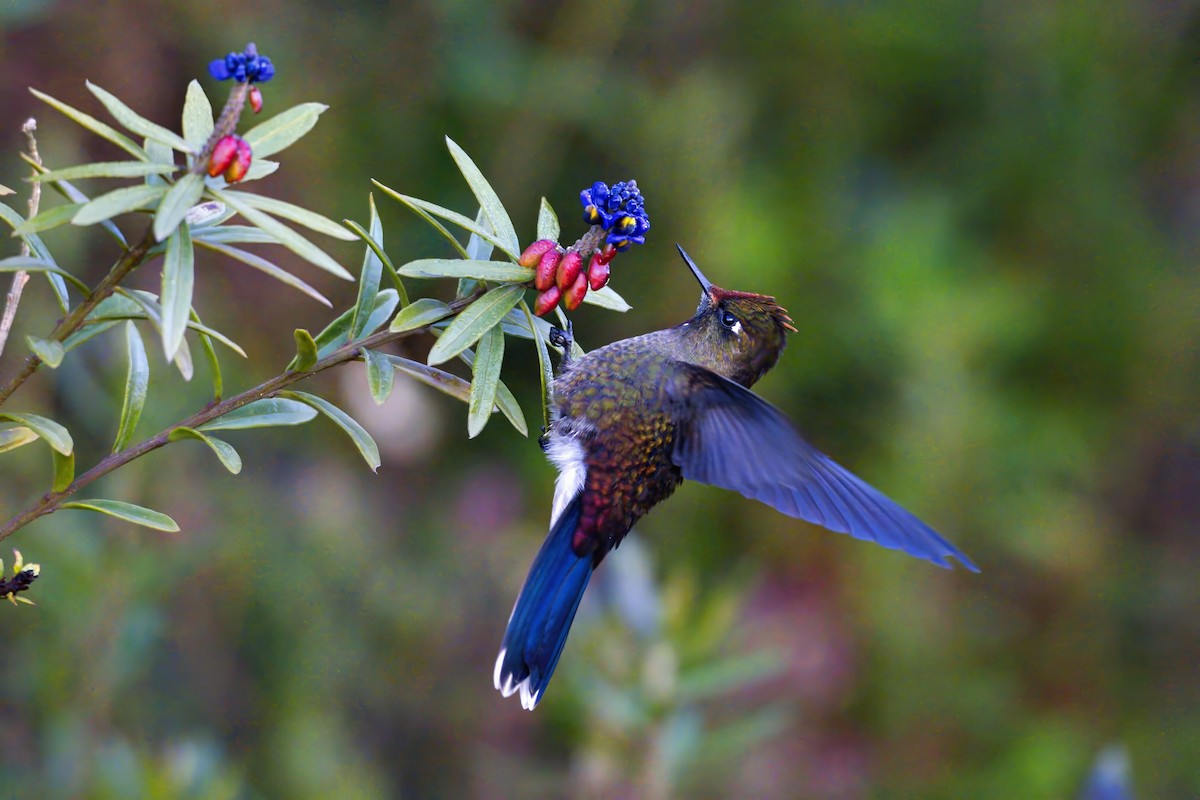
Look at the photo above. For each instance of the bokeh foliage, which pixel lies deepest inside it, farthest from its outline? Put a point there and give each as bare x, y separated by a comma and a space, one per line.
982, 217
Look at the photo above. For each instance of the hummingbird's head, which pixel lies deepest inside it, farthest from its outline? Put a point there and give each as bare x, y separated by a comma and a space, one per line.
736, 334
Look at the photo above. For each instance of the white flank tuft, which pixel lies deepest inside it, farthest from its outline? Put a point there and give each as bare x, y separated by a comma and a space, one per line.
566, 453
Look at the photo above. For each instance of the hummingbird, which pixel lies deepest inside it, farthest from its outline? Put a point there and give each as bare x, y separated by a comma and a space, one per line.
635, 418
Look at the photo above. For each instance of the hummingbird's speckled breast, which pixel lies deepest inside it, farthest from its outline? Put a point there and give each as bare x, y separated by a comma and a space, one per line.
611, 402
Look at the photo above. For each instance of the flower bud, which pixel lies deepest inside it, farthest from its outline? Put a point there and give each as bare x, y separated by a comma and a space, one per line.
546, 301
597, 274
535, 251
607, 253
569, 269
547, 268
241, 164
255, 99
223, 154
574, 295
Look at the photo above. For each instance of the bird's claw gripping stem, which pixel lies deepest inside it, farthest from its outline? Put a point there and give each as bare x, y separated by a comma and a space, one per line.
564, 339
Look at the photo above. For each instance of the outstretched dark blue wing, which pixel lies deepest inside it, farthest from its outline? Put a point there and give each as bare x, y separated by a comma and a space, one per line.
730, 437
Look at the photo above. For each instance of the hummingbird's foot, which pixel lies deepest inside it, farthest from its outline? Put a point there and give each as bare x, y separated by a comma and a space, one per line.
564, 339
544, 439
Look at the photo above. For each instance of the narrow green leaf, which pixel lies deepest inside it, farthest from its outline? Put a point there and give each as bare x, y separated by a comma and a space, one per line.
368, 281
197, 116
474, 321
420, 313
106, 169
337, 333
214, 364
504, 398
425, 208
286, 236
118, 201
90, 330
547, 223
48, 350
487, 197
385, 305
39, 249
259, 169
136, 123
485, 374
607, 298
19, 263
545, 370
358, 434
231, 234
136, 304
64, 470
153, 311
178, 278
265, 413
174, 207
306, 350
129, 512
68, 190
283, 129
425, 215
441, 380
479, 249
49, 219
499, 271
160, 154
290, 211
137, 379
380, 375
55, 435
261, 264
16, 436
94, 125
224, 450
377, 248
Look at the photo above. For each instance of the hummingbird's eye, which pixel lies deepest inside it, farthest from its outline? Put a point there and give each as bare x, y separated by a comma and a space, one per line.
729, 320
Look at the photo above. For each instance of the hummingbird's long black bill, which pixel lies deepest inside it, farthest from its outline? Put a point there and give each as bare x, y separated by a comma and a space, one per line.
705, 283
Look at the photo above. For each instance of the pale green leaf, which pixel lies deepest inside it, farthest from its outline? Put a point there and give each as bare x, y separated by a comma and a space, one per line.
368, 281
231, 234
362, 440
426, 208
261, 264
224, 450
489, 201
129, 512
14, 437
55, 435
474, 321
265, 413
106, 169
153, 311
88, 331
290, 211
214, 364
545, 370
380, 375
29, 264
39, 249
425, 215
505, 401
94, 125
499, 271
547, 222
337, 333
160, 154
137, 304
136, 123
64, 470
197, 116
286, 236
68, 190
48, 350
49, 219
607, 298
283, 129
377, 248
174, 207
118, 201
137, 379
485, 374
178, 278
478, 248
420, 313
441, 380
306, 351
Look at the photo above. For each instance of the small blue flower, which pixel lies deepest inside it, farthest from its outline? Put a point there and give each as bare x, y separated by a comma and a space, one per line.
247, 65
620, 210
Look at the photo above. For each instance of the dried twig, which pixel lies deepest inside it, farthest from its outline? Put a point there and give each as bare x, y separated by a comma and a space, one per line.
21, 277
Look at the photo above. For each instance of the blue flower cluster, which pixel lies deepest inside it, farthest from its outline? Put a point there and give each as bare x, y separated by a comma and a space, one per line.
245, 66
620, 210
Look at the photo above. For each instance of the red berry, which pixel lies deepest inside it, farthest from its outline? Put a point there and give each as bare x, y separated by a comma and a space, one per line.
569, 269
223, 154
597, 273
535, 251
543, 279
239, 166
574, 296
255, 99
546, 301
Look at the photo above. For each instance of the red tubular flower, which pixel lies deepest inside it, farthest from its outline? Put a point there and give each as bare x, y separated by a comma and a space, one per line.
241, 164
569, 269
547, 268
223, 154
597, 274
546, 301
535, 251
574, 295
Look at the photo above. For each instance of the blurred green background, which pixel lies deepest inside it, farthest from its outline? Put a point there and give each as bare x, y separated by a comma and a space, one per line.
984, 219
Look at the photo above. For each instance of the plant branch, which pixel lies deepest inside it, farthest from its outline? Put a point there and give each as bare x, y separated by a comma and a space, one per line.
351, 351
22, 277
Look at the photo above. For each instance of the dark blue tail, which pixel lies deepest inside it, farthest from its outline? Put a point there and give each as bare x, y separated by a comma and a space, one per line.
537, 629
